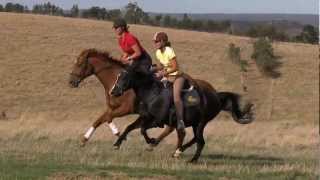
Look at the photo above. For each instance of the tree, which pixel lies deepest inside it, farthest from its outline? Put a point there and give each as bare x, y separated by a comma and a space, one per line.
1, 8
186, 22
167, 21
114, 14
47, 8
267, 31
133, 13
74, 11
309, 34
235, 57
157, 19
265, 59
146, 19
211, 26
10, 7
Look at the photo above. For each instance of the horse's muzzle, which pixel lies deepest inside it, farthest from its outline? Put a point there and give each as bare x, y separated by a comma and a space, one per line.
74, 81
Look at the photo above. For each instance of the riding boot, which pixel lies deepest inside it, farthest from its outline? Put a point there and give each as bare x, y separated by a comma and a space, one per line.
180, 125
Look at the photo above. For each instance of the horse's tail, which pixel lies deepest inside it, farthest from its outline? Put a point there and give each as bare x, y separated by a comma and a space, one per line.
231, 102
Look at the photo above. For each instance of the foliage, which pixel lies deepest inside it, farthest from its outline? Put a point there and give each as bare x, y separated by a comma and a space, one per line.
265, 59
1, 8
74, 11
11, 7
133, 13
235, 57
267, 31
309, 34
157, 20
114, 14
47, 8
95, 12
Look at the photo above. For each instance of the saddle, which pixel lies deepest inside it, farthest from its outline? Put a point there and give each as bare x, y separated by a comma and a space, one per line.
190, 96
189, 92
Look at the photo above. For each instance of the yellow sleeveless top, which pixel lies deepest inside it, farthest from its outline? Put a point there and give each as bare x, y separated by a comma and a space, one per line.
165, 59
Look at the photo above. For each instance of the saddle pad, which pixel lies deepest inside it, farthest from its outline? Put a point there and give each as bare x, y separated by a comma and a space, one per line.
191, 98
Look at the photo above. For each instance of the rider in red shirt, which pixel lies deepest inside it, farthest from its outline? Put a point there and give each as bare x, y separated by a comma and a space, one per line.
133, 54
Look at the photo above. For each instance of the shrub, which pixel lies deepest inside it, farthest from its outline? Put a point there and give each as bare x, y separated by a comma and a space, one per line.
235, 57
265, 59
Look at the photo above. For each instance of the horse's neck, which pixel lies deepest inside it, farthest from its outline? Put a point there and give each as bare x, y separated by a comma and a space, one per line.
147, 91
108, 77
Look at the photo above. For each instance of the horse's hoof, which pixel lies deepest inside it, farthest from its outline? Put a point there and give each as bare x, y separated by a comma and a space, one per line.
83, 141
115, 147
177, 153
149, 148
192, 161
153, 142
174, 155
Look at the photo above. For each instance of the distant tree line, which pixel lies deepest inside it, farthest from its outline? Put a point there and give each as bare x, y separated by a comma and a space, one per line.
135, 15
309, 34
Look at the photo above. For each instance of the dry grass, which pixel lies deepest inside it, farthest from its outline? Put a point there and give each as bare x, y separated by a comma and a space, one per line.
37, 53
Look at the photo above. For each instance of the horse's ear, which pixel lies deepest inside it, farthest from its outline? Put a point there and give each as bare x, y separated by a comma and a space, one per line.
82, 57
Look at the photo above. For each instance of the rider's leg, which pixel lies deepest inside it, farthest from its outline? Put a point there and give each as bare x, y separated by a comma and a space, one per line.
177, 87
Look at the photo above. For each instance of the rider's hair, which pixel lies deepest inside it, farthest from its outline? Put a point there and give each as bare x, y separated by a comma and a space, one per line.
162, 36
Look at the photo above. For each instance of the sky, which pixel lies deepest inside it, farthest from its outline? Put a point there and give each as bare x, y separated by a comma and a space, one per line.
192, 6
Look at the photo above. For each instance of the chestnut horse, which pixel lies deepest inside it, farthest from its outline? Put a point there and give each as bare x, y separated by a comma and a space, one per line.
105, 68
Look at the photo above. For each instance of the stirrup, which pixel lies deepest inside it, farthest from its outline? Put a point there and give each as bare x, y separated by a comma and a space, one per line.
189, 89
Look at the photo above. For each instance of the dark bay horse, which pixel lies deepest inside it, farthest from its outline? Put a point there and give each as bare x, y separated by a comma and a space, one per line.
158, 104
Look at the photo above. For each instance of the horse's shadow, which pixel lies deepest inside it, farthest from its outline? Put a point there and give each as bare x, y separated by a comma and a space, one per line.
251, 160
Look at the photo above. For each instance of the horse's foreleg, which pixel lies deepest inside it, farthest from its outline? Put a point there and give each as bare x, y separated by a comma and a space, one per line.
147, 124
136, 124
103, 118
165, 133
120, 111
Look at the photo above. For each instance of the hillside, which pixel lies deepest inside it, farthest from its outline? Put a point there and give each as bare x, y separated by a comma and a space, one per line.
40, 113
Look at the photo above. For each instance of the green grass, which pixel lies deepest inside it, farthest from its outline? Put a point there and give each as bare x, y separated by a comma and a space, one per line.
28, 157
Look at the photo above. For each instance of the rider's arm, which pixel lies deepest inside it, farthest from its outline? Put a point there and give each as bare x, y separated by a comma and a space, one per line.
137, 52
174, 66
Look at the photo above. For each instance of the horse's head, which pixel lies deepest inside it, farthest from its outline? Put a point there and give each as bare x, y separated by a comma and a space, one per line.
123, 83
91, 61
81, 69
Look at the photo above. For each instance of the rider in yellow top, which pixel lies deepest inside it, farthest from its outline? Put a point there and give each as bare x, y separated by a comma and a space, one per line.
168, 68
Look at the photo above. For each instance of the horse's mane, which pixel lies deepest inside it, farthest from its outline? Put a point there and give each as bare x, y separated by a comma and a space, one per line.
96, 52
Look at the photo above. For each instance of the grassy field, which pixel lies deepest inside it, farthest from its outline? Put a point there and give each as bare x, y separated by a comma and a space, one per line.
42, 119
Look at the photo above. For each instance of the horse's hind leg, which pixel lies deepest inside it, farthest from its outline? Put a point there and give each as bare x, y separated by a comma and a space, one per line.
181, 134
136, 124
181, 148
200, 141
191, 142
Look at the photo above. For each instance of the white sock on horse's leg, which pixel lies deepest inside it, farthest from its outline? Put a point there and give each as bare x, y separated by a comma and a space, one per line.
177, 153
113, 128
89, 132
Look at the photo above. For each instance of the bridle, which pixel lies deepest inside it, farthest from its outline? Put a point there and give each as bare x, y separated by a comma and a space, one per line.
85, 65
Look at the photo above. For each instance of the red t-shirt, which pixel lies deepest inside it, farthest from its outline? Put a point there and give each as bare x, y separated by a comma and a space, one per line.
127, 41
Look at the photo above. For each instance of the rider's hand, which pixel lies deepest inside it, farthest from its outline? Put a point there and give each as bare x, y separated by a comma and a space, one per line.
160, 74
128, 61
